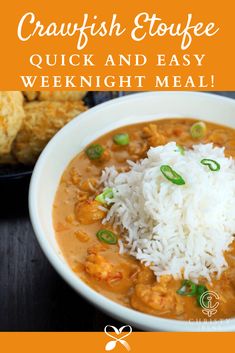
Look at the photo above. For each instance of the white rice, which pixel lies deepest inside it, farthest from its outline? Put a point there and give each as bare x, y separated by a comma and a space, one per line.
180, 230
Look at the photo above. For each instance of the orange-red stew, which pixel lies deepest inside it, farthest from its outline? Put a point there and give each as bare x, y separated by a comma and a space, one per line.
78, 217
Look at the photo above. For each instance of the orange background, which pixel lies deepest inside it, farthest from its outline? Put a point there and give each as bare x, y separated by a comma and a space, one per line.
63, 342
220, 54
220, 59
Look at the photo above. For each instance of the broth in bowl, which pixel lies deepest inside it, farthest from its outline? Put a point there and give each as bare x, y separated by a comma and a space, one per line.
140, 216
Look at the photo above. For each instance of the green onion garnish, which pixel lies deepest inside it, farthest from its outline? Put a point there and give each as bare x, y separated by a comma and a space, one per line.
171, 175
94, 151
107, 193
188, 288
198, 130
106, 236
200, 290
180, 149
213, 165
121, 139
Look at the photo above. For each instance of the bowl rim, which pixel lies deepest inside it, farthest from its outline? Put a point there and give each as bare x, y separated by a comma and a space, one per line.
120, 312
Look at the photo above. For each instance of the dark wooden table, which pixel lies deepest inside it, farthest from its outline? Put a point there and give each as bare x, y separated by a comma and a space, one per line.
32, 295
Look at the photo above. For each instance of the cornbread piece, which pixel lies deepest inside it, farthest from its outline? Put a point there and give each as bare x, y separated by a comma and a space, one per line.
11, 117
31, 95
62, 96
8, 159
42, 121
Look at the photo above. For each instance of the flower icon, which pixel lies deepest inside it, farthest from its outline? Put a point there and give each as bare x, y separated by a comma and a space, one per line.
115, 338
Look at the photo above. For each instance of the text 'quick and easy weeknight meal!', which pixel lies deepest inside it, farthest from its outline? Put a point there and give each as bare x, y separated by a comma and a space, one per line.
145, 216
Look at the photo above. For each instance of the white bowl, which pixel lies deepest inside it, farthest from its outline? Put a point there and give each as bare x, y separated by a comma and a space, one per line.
72, 139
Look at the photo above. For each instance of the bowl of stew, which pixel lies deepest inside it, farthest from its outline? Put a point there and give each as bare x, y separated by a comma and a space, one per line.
68, 206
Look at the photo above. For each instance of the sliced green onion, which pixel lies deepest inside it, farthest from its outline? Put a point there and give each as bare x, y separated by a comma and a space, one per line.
188, 288
121, 139
201, 289
94, 151
198, 130
171, 175
107, 193
213, 165
106, 236
180, 149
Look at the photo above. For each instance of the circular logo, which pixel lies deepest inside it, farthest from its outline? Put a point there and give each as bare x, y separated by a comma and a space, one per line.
209, 301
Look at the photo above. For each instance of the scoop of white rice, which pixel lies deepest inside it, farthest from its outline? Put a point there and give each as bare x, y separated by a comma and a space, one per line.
180, 230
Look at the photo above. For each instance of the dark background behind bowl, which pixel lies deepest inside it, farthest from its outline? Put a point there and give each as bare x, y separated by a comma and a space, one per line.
32, 295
